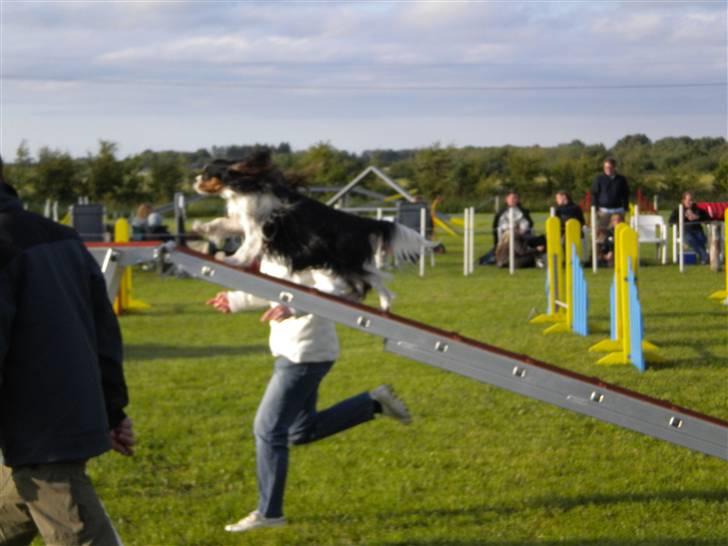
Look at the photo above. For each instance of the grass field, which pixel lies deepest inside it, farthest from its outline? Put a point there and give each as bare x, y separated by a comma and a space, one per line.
478, 466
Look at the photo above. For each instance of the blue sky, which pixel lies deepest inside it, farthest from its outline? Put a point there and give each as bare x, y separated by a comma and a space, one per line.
362, 75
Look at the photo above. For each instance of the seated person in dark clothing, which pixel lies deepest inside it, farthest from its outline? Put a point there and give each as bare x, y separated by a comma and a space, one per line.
605, 247
692, 227
156, 230
566, 209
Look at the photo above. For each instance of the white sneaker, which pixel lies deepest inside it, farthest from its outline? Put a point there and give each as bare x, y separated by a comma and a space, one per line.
392, 406
254, 520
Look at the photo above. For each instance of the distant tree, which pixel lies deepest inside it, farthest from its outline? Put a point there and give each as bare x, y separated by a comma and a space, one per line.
323, 164
168, 176
22, 171
56, 176
106, 173
433, 167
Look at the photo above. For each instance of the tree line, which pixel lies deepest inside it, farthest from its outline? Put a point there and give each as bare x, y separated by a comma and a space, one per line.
461, 176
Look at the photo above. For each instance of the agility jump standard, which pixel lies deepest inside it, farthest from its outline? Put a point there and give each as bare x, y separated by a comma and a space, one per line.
448, 350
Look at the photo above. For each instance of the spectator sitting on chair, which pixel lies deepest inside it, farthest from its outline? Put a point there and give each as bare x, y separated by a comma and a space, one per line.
605, 248
522, 224
610, 193
693, 228
521, 218
139, 222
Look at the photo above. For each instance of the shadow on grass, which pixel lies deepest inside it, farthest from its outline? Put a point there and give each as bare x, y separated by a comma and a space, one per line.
703, 357
475, 515
661, 541
158, 351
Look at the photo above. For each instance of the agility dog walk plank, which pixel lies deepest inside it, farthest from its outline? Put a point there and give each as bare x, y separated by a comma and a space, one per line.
489, 364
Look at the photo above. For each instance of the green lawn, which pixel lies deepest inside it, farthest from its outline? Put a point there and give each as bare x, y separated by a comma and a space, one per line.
477, 466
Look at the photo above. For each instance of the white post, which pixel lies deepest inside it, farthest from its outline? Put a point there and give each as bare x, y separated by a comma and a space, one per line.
552, 212
511, 242
379, 256
466, 235
472, 240
47, 209
680, 231
674, 243
55, 211
654, 202
594, 238
423, 233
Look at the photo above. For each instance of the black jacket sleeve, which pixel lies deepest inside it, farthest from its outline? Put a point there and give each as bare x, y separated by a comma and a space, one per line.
703, 215
7, 313
674, 217
625, 194
110, 352
595, 192
527, 216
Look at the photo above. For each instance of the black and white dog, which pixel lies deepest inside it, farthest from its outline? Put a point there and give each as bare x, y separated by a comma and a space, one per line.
283, 224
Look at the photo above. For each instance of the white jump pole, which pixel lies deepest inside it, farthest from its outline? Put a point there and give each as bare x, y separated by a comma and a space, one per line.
423, 233
681, 231
674, 244
552, 212
654, 202
47, 209
511, 242
594, 238
55, 211
466, 246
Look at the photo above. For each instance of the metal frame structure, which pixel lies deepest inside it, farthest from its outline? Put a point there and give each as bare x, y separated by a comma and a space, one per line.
450, 351
350, 186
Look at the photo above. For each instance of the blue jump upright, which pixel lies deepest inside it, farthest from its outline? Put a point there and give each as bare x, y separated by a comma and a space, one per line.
580, 298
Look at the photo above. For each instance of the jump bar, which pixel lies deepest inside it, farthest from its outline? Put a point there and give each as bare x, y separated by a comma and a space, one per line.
470, 358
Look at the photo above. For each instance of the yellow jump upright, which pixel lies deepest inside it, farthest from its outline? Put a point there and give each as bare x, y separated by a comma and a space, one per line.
723, 294
554, 274
626, 258
560, 309
124, 301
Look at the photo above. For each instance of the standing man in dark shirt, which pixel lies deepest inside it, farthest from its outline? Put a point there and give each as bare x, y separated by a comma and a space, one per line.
610, 193
62, 388
692, 227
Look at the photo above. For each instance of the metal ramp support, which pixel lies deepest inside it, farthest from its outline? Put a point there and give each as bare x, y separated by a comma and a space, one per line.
486, 363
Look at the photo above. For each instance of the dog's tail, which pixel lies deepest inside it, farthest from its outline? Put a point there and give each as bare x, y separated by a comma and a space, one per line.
406, 244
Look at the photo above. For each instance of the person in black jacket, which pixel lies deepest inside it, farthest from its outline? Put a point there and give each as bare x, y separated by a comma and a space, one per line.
610, 193
62, 387
693, 227
566, 209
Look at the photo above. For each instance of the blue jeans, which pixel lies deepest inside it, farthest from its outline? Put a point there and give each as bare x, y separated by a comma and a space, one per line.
287, 416
697, 241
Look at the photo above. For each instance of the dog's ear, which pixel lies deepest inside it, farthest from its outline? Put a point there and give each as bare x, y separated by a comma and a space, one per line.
258, 161
295, 180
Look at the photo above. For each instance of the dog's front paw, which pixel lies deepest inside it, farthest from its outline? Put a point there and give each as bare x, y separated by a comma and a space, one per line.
232, 260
